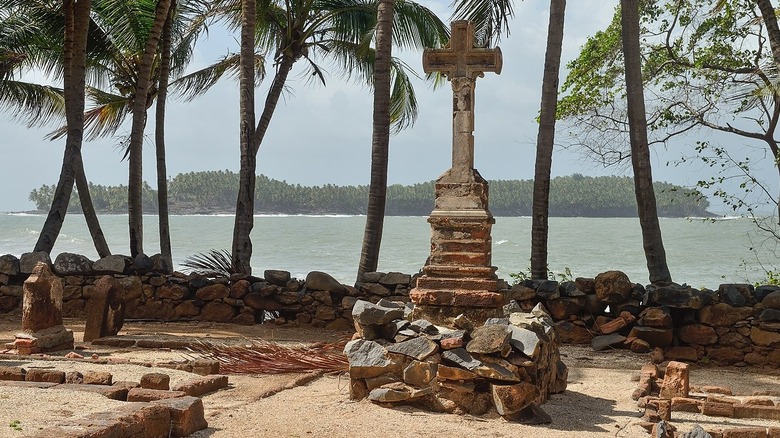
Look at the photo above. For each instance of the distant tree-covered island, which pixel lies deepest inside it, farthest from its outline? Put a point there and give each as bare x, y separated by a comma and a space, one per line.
215, 192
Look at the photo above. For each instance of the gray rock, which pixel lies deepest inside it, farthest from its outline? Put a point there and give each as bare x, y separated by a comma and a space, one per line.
497, 321
367, 359
142, 264
601, 342
569, 289
772, 301
419, 348
423, 326
160, 264
395, 279
276, 277
367, 313
112, 264
521, 292
696, 432
9, 265
72, 264
489, 339
769, 315
408, 309
317, 280
372, 277
762, 291
462, 358
548, 290
419, 373
524, 341
681, 297
397, 392
391, 329
463, 322
496, 369
512, 307
735, 294
28, 261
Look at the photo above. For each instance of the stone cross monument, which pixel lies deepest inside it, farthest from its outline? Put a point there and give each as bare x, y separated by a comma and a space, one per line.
458, 277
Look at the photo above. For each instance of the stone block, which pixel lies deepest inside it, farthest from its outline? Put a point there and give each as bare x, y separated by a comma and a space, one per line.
39, 375
676, 381
745, 432
187, 415
698, 334
684, 404
613, 287
158, 381
715, 409
147, 395
205, 367
202, 385
97, 378
12, 373
510, 399
112, 392
755, 411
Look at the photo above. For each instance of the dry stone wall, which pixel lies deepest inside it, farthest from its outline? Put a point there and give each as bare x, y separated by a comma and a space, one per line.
735, 324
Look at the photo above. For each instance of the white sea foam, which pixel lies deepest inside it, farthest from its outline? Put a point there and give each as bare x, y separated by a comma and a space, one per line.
501, 242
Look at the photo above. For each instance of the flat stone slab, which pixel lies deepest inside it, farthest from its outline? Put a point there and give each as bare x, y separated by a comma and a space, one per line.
18, 384
112, 392
202, 385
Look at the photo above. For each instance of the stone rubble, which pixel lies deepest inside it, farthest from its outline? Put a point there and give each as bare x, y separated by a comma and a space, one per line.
512, 364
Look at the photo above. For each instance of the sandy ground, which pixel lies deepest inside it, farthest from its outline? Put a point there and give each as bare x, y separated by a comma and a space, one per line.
596, 404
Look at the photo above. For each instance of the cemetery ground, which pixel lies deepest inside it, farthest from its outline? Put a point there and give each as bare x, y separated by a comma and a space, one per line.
597, 402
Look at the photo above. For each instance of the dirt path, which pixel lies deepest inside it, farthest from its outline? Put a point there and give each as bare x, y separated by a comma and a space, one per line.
596, 404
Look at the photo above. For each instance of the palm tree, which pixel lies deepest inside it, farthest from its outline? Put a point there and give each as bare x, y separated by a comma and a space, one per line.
302, 29
545, 141
640, 153
29, 31
135, 148
380, 140
162, 174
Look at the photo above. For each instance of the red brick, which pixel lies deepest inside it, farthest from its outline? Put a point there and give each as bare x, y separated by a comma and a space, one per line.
147, 395
12, 373
202, 385
752, 411
745, 432
684, 404
717, 409
186, 415
37, 375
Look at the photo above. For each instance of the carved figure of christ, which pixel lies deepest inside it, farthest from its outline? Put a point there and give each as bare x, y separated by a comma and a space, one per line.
462, 63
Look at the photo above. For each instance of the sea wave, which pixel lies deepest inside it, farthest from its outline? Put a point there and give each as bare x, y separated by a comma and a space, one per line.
501, 242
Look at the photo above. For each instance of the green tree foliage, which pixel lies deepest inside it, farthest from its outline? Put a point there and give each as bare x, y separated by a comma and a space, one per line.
215, 192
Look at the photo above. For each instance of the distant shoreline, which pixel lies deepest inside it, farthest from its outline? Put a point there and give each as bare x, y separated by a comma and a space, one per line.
710, 215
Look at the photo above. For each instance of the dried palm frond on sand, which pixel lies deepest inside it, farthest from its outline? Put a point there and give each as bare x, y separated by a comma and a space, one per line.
264, 357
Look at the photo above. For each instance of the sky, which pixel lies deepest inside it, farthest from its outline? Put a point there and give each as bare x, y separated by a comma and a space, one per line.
322, 134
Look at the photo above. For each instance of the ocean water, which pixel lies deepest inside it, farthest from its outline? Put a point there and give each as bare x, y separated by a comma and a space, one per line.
700, 253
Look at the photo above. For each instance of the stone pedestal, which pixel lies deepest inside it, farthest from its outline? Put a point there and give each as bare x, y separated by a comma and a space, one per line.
42, 328
458, 277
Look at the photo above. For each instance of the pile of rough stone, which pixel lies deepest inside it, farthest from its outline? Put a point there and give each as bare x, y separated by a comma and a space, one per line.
511, 364
661, 392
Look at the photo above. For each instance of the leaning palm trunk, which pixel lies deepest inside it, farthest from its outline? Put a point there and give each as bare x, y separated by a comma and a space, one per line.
380, 141
162, 173
640, 153
135, 183
74, 76
545, 141
90, 216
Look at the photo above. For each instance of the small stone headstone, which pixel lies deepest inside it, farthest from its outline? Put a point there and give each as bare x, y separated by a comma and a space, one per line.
105, 309
42, 314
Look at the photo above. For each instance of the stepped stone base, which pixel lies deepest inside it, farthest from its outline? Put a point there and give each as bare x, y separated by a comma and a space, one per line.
458, 277
52, 339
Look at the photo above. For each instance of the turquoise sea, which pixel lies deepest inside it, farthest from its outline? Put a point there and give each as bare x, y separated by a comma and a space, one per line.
700, 253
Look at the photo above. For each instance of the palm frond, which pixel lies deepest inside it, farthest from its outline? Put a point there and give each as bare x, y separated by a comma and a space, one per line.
102, 119
214, 263
403, 102
263, 357
199, 82
490, 17
32, 104
416, 27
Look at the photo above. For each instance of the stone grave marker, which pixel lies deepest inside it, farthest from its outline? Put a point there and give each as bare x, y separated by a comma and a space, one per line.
42, 328
459, 277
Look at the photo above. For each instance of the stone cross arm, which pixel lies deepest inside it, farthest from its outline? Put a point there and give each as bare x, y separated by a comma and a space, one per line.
459, 58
